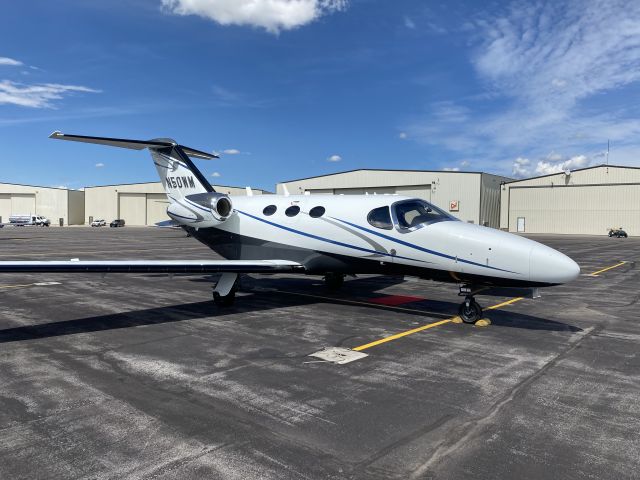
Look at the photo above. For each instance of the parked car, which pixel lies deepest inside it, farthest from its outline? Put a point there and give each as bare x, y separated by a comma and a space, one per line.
98, 223
119, 222
22, 220
617, 232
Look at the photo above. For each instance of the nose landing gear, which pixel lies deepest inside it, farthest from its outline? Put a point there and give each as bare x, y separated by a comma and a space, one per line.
470, 311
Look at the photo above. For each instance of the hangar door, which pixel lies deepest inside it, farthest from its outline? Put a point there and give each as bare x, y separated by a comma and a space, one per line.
418, 191
157, 204
365, 190
132, 207
23, 204
5, 207
580, 209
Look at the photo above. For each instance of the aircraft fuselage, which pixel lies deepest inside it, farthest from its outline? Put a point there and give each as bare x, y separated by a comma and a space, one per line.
343, 239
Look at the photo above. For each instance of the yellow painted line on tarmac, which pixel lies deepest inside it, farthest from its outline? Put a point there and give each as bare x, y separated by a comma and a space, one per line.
508, 302
425, 327
443, 322
400, 335
595, 274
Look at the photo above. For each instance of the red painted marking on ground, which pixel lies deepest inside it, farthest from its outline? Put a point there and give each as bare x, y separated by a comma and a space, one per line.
393, 300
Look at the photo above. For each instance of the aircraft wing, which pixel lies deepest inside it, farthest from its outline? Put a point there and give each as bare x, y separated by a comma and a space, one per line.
152, 266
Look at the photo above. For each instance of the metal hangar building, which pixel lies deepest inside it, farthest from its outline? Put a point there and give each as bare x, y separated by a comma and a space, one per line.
137, 203
585, 201
473, 197
57, 204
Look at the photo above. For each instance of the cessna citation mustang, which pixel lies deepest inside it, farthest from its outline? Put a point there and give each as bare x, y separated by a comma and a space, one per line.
324, 235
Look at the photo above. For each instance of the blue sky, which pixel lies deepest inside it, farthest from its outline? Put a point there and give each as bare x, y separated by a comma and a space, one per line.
291, 89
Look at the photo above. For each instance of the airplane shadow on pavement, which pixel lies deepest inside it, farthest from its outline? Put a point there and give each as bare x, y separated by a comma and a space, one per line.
264, 299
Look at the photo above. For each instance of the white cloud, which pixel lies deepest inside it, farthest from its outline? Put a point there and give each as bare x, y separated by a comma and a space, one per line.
520, 167
402, 135
10, 62
553, 75
583, 47
99, 165
451, 169
39, 95
553, 163
334, 158
558, 82
409, 23
465, 163
231, 151
547, 167
434, 28
216, 174
230, 98
226, 96
450, 112
272, 15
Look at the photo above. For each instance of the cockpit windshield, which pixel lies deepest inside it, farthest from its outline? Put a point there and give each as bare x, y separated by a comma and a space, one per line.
417, 213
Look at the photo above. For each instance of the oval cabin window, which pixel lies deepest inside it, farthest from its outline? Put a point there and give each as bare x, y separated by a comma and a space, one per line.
270, 210
316, 212
380, 218
292, 211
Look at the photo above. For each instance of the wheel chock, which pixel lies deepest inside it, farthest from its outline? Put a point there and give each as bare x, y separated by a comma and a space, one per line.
456, 319
483, 322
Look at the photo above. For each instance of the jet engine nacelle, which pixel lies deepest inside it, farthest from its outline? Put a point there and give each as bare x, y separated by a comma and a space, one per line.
201, 210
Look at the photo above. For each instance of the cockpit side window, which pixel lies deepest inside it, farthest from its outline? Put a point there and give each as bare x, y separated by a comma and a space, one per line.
380, 218
417, 213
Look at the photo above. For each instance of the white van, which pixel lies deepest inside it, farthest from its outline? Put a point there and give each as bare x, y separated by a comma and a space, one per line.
22, 220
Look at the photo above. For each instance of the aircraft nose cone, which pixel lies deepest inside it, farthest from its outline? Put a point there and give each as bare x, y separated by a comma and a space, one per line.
550, 266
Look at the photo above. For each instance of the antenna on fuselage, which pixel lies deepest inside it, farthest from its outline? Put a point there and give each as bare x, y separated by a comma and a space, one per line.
286, 190
249, 191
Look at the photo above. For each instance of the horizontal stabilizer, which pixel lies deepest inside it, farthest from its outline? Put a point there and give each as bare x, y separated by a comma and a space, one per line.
167, 224
133, 144
152, 266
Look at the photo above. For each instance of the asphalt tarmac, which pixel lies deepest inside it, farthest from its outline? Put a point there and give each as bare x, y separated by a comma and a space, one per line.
142, 376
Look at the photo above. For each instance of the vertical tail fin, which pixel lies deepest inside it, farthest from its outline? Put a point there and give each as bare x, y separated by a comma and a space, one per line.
179, 176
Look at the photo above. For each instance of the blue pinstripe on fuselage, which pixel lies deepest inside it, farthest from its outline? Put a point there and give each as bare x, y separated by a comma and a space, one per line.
328, 240
422, 249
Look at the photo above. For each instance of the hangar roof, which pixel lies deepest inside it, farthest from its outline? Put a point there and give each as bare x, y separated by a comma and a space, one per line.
381, 170
36, 186
217, 185
587, 173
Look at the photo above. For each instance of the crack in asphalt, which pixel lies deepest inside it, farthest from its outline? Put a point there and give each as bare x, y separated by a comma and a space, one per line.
473, 428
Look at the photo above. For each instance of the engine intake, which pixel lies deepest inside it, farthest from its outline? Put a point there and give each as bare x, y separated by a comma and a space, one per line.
201, 210
219, 203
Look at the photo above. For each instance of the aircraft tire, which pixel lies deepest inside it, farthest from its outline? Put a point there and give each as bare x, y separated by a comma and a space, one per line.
334, 281
225, 301
471, 313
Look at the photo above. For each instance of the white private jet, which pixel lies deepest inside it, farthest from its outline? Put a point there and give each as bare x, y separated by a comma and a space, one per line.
330, 235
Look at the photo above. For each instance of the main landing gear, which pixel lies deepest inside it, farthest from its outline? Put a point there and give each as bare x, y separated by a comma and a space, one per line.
334, 281
469, 311
224, 293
